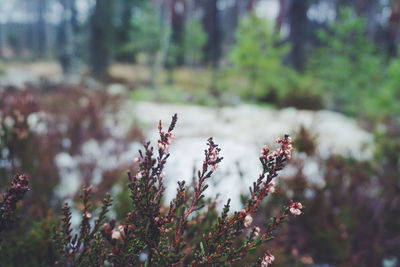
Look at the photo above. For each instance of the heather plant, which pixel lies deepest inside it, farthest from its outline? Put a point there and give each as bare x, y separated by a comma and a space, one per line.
350, 218
87, 248
19, 111
23, 242
188, 232
82, 114
8, 204
34, 130
15, 133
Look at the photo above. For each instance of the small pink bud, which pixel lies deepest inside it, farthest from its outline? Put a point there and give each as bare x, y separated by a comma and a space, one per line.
256, 231
264, 151
268, 259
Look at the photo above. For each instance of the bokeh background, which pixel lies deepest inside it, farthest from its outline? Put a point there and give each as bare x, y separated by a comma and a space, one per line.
84, 82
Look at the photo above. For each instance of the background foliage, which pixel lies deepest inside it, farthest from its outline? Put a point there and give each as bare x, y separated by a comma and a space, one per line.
57, 58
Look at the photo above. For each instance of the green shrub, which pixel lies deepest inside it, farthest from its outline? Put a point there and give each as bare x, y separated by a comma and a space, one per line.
257, 61
349, 67
387, 102
194, 40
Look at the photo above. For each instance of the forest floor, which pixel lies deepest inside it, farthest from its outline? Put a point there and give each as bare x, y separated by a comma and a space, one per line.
240, 130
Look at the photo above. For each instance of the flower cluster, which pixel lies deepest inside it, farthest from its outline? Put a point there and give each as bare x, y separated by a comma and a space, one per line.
285, 149
166, 137
189, 232
19, 187
112, 232
212, 155
272, 163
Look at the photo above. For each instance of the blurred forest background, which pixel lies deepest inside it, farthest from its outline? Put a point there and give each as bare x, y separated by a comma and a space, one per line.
68, 68
311, 54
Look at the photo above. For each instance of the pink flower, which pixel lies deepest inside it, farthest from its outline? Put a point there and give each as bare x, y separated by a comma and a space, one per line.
256, 231
272, 155
295, 208
170, 137
213, 158
248, 220
139, 175
119, 233
116, 234
163, 146
268, 259
166, 140
286, 146
264, 152
271, 188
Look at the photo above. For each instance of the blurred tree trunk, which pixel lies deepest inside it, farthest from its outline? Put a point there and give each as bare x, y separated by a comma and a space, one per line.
211, 23
67, 39
298, 23
124, 28
393, 28
101, 38
230, 22
281, 15
360, 7
2, 40
178, 11
41, 36
164, 14
250, 5
174, 52
126, 16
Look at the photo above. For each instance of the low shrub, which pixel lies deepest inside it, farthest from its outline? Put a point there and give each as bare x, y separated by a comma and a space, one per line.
189, 232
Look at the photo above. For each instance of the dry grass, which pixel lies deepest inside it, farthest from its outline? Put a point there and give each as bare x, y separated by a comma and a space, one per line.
129, 73
39, 68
